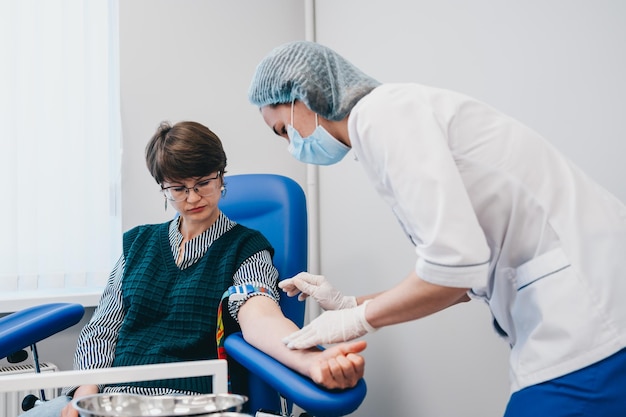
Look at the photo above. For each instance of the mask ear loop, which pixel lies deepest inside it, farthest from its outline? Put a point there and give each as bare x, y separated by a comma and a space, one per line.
317, 123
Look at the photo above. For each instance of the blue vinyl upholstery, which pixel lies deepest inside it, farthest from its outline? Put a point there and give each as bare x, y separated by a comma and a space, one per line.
30, 325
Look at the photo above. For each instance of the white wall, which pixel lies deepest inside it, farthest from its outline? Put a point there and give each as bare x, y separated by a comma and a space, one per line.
557, 65
193, 60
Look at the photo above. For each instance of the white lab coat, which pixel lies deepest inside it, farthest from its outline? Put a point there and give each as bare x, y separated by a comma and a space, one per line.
490, 205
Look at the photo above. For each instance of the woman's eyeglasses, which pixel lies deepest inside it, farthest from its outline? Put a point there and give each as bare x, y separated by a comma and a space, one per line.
205, 188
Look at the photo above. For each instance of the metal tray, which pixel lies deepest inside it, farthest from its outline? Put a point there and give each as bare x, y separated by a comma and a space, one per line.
132, 405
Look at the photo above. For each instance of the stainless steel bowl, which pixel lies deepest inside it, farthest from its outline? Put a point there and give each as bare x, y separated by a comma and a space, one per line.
230, 414
132, 405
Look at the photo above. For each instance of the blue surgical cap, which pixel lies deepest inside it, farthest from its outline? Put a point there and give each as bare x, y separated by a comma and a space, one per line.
312, 73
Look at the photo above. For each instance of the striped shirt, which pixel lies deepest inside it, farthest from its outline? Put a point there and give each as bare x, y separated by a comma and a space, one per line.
97, 340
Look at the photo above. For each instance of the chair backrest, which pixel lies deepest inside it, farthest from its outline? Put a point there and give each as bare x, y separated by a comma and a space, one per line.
274, 205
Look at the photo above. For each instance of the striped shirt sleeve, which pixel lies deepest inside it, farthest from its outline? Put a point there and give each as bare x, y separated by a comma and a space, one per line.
258, 271
97, 340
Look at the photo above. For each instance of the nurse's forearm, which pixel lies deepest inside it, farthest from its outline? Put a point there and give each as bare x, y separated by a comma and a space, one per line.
412, 299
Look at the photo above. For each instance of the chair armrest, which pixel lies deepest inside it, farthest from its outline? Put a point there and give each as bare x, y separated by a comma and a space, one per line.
293, 386
26, 327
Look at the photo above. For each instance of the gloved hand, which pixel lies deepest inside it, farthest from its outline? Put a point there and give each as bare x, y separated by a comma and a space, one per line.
331, 327
317, 287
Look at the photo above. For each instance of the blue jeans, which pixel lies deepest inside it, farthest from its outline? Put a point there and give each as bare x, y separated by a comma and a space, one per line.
598, 390
50, 408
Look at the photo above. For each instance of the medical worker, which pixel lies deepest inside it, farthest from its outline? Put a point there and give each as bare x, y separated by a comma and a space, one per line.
494, 212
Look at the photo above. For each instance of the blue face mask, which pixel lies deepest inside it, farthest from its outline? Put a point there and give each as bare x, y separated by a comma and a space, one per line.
320, 148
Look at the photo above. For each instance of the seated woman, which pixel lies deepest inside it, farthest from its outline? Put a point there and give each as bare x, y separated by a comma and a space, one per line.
161, 301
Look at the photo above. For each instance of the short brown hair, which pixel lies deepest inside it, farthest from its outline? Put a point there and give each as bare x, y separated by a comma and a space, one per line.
184, 150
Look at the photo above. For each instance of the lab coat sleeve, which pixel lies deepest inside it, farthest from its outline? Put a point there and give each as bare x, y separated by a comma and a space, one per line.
401, 140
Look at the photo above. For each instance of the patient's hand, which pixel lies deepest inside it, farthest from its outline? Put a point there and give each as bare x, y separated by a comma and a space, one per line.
82, 391
339, 366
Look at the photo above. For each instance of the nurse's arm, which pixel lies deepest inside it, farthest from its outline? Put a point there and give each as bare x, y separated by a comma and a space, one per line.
411, 299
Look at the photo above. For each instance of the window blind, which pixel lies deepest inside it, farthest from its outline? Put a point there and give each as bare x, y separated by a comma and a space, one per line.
60, 162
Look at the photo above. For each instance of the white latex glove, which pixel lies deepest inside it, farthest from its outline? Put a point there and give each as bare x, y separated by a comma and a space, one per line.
331, 327
319, 288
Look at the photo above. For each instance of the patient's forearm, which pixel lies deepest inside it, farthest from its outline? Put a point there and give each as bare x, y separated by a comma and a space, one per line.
264, 326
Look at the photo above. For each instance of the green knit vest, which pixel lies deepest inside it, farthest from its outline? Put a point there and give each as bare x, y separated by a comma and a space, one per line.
171, 314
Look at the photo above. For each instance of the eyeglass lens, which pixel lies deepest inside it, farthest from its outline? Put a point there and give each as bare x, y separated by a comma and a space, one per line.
204, 188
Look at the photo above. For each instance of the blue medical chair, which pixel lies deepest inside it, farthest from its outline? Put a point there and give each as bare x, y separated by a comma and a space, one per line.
276, 206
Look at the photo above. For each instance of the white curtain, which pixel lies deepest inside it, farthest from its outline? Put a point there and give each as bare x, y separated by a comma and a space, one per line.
60, 134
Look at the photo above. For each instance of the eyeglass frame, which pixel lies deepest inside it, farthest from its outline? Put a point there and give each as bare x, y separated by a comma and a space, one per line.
168, 194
